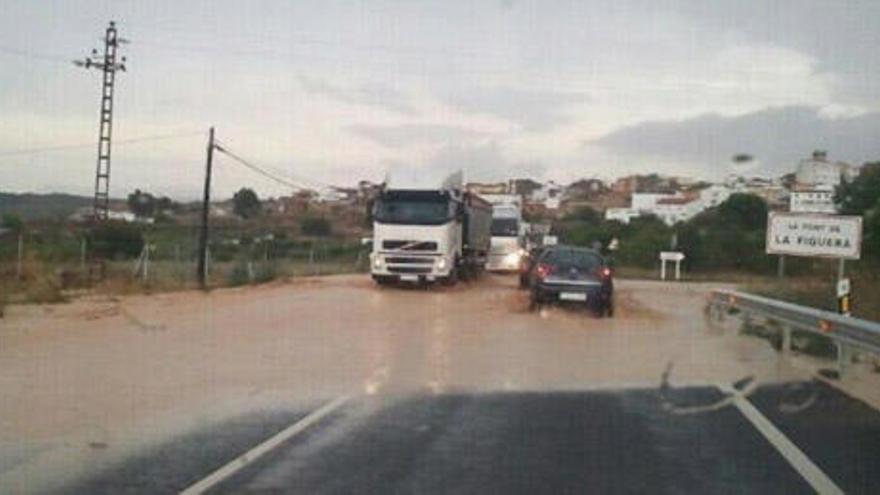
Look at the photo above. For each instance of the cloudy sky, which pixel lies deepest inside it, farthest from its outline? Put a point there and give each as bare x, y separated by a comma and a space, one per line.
330, 92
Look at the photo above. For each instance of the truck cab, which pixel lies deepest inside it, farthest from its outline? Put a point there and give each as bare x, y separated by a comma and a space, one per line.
428, 234
416, 236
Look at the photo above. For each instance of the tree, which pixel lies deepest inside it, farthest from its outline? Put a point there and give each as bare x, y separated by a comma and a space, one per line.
142, 204
12, 222
115, 240
744, 210
245, 203
165, 204
584, 214
317, 226
861, 194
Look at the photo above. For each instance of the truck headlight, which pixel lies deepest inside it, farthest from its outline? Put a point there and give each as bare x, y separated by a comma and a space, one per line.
377, 262
512, 258
441, 264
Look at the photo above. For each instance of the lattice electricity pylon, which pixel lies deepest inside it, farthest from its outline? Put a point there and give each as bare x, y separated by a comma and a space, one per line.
108, 66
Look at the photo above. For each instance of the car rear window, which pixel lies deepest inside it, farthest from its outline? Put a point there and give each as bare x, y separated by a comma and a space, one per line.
572, 258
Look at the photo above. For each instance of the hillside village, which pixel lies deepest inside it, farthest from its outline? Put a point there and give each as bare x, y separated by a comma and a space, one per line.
808, 188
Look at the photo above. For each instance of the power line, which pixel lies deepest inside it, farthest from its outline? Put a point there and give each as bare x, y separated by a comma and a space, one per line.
287, 175
9, 50
48, 149
258, 169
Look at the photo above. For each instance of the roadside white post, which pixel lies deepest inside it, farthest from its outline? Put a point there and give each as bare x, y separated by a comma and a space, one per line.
673, 256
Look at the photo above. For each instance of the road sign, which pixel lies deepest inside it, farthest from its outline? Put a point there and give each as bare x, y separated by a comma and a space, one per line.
843, 287
671, 256
828, 236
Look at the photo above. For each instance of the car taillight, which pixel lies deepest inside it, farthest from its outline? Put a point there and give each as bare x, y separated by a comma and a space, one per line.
543, 271
605, 273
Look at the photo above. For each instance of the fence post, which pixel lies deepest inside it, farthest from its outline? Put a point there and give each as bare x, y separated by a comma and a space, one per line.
18, 266
786, 340
82, 254
844, 357
146, 262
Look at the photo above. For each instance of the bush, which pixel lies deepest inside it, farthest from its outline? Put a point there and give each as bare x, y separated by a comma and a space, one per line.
317, 226
265, 272
116, 240
239, 275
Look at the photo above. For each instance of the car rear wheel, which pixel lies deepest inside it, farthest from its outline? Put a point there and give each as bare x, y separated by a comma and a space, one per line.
535, 301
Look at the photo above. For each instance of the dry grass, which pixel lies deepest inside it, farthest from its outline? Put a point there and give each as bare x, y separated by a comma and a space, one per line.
628, 272
821, 292
38, 283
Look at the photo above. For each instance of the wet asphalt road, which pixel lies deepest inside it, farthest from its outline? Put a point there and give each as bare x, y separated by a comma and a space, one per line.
449, 391
614, 441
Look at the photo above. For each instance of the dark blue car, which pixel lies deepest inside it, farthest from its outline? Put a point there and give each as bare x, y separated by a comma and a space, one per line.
575, 275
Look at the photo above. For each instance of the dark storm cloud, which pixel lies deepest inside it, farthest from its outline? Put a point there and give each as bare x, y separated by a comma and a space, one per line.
777, 137
842, 36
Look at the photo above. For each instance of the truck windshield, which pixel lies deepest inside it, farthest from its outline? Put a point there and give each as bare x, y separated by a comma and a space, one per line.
413, 209
505, 227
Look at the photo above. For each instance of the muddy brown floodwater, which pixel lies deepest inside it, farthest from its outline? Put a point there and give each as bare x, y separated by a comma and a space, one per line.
90, 380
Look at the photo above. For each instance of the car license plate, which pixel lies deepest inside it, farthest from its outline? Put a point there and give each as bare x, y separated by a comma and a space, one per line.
409, 278
573, 296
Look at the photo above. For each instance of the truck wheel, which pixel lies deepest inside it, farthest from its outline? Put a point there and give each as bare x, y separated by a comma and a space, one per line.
452, 279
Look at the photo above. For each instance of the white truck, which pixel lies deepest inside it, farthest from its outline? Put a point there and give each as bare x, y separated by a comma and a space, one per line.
428, 231
508, 233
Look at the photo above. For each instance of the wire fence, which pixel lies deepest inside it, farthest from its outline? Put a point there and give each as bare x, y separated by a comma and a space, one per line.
165, 258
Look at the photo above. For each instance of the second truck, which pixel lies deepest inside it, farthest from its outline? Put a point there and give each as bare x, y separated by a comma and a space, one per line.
508, 233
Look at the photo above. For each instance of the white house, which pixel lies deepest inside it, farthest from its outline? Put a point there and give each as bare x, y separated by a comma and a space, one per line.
670, 208
622, 215
818, 171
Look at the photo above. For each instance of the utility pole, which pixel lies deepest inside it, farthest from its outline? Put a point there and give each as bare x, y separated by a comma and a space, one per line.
108, 67
203, 237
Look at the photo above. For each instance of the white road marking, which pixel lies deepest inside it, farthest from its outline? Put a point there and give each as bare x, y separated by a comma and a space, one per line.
268, 445
798, 460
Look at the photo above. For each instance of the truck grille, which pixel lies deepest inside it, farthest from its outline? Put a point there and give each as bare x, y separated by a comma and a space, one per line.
410, 245
413, 260
409, 269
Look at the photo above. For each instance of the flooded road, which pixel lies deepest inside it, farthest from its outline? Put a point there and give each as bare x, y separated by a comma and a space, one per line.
153, 394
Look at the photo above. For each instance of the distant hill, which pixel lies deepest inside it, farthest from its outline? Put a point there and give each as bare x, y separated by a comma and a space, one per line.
41, 206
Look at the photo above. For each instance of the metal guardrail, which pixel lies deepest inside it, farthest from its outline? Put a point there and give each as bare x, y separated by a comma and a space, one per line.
846, 332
